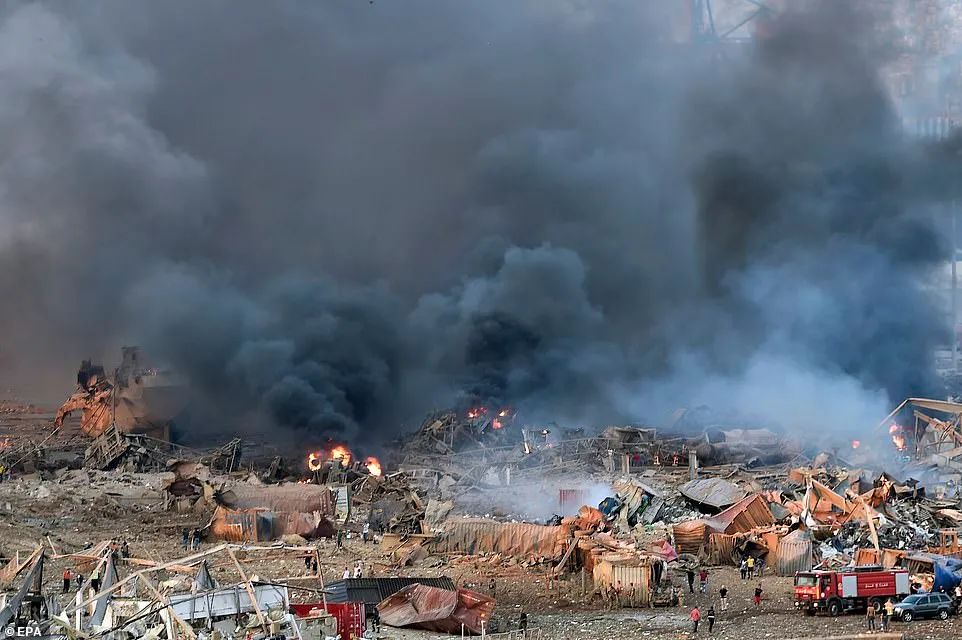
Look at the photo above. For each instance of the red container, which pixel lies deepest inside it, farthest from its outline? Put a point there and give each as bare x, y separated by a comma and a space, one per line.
350, 616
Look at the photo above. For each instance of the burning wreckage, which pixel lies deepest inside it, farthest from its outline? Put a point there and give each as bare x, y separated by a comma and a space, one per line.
625, 514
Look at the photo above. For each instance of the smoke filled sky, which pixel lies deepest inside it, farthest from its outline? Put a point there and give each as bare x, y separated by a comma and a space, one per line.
335, 216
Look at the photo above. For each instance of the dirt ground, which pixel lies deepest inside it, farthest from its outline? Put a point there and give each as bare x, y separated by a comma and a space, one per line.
81, 509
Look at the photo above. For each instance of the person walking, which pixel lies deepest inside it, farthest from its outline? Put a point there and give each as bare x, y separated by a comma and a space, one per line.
340, 539
67, 577
186, 535
751, 567
618, 593
347, 573
757, 598
523, 621
870, 618
366, 532
743, 568
888, 610
695, 617
711, 618
723, 598
703, 580
691, 581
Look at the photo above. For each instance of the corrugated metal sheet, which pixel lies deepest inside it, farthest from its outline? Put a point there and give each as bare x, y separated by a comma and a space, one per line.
507, 538
887, 558
435, 609
747, 514
570, 500
612, 568
721, 548
299, 498
415, 604
690, 536
228, 601
374, 590
794, 554
714, 492
261, 525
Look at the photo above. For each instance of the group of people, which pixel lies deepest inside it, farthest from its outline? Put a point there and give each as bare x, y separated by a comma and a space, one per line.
191, 539
69, 575
702, 581
750, 567
119, 549
878, 620
696, 616
617, 596
357, 573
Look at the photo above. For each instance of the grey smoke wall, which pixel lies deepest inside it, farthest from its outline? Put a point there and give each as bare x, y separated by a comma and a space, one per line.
335, 216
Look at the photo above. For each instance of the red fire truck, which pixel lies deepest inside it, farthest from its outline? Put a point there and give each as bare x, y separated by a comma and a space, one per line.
836, 592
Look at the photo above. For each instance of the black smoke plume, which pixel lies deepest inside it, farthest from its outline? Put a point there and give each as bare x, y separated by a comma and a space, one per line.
335, 216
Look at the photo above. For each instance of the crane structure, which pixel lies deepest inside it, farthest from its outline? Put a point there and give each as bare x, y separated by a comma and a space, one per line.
727, 21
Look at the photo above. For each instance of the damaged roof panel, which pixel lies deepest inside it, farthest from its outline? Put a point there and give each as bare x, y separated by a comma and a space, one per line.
747, 514
436, 609
302, 498
712, 492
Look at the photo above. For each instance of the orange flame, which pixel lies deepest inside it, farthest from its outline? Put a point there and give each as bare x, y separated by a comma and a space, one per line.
496, 424
898, 438
504, 413
476, 412
856, 444
342, 453
316, 459
373, 465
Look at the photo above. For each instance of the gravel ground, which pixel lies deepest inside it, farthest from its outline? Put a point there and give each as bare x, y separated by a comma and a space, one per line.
75, 514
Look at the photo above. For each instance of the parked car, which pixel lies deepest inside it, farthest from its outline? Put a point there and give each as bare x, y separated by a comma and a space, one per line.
924, 605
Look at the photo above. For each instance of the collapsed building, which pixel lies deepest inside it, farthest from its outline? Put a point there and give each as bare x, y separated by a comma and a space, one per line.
136, 398
629, 509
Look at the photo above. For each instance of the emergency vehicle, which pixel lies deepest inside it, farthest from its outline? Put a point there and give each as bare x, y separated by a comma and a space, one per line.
836, 592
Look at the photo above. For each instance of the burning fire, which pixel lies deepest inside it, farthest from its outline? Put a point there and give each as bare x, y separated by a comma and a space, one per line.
476, 412
342, 453
373, 465
316, 460
496, 424
856, 444
898, 438
504, 413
